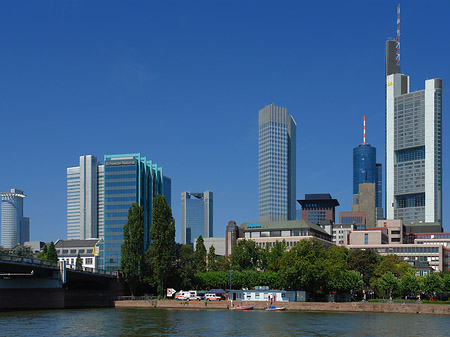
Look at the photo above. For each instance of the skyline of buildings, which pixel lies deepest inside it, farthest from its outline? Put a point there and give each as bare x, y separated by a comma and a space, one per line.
197, 216
15, 228
277, 164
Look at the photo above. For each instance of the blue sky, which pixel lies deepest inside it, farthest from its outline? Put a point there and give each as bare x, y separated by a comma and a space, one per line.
182, 83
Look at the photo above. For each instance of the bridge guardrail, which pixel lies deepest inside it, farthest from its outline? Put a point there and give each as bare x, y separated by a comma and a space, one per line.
136, 298
39, 262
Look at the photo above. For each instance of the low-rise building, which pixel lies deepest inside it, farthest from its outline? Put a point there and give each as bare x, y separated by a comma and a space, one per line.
267, 233
68, 250
218, 243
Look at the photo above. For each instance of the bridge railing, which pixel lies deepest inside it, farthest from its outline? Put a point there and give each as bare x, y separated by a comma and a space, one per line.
90, 270
32, 260
136, 298
39, 262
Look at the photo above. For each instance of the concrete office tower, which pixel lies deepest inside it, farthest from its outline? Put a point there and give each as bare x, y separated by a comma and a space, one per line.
129, 178
366, 203
85, 199
277, 164
15, 227
413, 150
196, 216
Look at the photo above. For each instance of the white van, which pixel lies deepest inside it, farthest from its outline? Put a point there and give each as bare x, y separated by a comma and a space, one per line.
212, 297
190, 295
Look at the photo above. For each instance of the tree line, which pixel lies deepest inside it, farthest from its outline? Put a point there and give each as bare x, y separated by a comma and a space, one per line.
308, 265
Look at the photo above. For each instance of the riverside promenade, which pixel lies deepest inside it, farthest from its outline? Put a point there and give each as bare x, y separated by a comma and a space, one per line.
366, 307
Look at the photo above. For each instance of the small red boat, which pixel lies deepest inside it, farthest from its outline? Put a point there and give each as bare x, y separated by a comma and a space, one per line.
235, 307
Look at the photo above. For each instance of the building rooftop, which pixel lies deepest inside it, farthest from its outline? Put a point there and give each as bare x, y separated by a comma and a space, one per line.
280, 225
76, 243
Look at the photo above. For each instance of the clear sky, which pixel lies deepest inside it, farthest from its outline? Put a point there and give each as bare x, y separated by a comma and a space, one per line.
182, 83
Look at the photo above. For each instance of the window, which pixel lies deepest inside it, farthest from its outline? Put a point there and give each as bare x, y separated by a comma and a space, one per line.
73, 251
88, 260
366, 239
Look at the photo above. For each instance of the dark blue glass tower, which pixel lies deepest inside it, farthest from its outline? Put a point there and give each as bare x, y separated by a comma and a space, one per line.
364, 166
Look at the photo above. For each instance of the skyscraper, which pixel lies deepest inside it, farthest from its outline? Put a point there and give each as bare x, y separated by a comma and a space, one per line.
367, 171
413, 147
196, 216
85, 199
277, 164
128, 178
15, 227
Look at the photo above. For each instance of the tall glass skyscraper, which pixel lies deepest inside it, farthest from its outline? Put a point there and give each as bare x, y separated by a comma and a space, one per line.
85, 199
128, 178
196, 216
413, 148
15, 227
277, 164
367, 170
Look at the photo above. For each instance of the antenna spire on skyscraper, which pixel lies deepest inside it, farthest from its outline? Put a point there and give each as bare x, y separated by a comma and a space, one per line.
364, 136
397, 45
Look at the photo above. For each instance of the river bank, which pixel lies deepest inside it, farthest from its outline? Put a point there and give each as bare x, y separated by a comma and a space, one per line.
437, 309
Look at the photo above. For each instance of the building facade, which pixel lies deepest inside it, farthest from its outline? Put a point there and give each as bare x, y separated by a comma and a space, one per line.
129, 178
293, 231
15, 227
365, 202
231, 235
196, 216
413, 148
367, 170
89, 250
277, 164
85, 199
318, 207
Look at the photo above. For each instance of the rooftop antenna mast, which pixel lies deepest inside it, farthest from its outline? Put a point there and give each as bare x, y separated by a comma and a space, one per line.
364, 137
397, 45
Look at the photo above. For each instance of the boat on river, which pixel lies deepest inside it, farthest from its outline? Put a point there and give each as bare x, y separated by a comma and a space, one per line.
274, 308
238, 307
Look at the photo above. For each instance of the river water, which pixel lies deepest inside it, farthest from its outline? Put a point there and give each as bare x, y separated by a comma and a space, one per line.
185, 322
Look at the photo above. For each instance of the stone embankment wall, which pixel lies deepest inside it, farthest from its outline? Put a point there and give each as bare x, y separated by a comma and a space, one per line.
438, 309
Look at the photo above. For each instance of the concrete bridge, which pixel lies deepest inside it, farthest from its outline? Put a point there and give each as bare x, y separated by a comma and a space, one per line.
29, 283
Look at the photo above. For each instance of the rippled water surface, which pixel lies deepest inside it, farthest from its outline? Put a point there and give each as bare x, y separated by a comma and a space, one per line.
166, 322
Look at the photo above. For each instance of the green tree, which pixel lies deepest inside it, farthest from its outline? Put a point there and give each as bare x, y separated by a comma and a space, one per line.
303, 267
185, 267
388, 283
4, 251
132, 249
223, 263
392, 263
409, 285
446, 283
79, 262
365, 262
212, 264
200, 255
271, 256
162, 248
51, 253
43, 254
432, 284
23, 251
246, 255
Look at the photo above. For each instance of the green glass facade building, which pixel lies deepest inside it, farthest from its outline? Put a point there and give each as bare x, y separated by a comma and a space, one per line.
128, 178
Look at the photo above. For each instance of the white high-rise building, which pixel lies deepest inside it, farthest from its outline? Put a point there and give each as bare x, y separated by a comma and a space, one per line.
277, 164
85, 199
413, 150
15, 227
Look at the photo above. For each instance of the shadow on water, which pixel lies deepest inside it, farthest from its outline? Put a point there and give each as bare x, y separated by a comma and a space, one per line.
168, 322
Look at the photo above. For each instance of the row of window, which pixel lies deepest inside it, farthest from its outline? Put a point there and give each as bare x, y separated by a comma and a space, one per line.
417, 200
74, 251
120, 168
120, 176
127, 191
115, 199
121, 183
108, 207
116, 215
